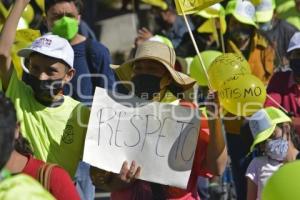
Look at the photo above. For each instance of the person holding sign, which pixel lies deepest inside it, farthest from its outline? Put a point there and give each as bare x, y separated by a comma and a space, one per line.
153, 75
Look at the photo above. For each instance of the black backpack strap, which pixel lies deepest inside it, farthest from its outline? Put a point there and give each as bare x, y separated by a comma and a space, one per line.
92, 60
91, 57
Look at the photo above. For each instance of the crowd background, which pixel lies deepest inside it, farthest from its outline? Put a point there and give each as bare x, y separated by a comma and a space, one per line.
264, 32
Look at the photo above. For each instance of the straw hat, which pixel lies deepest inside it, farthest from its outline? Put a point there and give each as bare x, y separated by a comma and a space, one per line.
159, 52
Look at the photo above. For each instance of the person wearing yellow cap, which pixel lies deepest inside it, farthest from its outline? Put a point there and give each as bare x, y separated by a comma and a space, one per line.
272, 133
243, 38
277, 31
152, 72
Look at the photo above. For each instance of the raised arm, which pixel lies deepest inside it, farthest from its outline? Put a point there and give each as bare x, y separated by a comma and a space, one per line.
216, 157
7, 38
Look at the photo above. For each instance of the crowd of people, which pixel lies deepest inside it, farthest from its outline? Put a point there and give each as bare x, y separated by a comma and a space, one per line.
44, 113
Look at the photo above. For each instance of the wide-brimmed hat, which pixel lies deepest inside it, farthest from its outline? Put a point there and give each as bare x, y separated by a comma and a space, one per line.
263, 123
243, 11
153, 50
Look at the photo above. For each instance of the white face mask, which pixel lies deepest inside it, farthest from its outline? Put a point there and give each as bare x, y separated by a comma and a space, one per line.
277, 149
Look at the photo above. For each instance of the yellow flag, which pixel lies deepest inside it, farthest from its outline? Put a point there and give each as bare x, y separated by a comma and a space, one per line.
193, 6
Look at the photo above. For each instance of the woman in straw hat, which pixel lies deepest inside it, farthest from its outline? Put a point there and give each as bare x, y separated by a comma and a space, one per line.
153, 75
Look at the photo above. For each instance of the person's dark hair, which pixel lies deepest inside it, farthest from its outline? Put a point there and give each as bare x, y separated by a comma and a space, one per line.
50, 3
22, 146
246, 137
171, 5
8, 123
295, 137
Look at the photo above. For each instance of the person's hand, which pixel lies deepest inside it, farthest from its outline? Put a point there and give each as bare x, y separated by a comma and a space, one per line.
144, 34
129, 175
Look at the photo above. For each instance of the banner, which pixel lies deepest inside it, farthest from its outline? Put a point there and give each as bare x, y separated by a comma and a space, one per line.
160, 137
193, 6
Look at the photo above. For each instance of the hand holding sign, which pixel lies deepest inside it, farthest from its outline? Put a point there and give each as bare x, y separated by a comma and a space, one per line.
128, 175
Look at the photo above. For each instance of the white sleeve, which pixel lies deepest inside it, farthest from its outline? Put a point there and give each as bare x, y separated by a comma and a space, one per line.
253, 170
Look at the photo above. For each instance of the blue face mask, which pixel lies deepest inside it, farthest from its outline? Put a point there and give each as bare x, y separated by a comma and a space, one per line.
277, 149
266, 26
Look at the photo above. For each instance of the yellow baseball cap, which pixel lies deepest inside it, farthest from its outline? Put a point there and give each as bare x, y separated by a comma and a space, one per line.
264, 10
157, 3
243, 11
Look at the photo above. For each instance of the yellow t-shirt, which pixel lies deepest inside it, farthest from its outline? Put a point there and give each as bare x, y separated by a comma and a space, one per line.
23, 187
56, 134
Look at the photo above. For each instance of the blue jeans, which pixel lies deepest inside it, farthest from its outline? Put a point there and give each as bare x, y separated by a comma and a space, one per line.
202, 187
84, 185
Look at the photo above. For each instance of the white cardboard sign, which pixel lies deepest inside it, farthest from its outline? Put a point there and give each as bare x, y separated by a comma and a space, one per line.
160, 137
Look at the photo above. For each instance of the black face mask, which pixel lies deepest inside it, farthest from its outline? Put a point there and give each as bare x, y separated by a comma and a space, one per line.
240, 35
146, 86
177, 91
44, 89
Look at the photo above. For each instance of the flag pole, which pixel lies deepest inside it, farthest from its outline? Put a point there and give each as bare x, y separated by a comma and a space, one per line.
195, 46
277, 104
221, 34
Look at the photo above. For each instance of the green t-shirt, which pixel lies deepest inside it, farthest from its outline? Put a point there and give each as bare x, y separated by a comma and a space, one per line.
21, 187
56, 134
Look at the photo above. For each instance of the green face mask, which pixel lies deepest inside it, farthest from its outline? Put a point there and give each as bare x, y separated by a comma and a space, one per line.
65, 27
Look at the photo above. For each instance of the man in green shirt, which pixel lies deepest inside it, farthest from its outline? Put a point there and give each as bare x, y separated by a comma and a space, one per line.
54, 124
